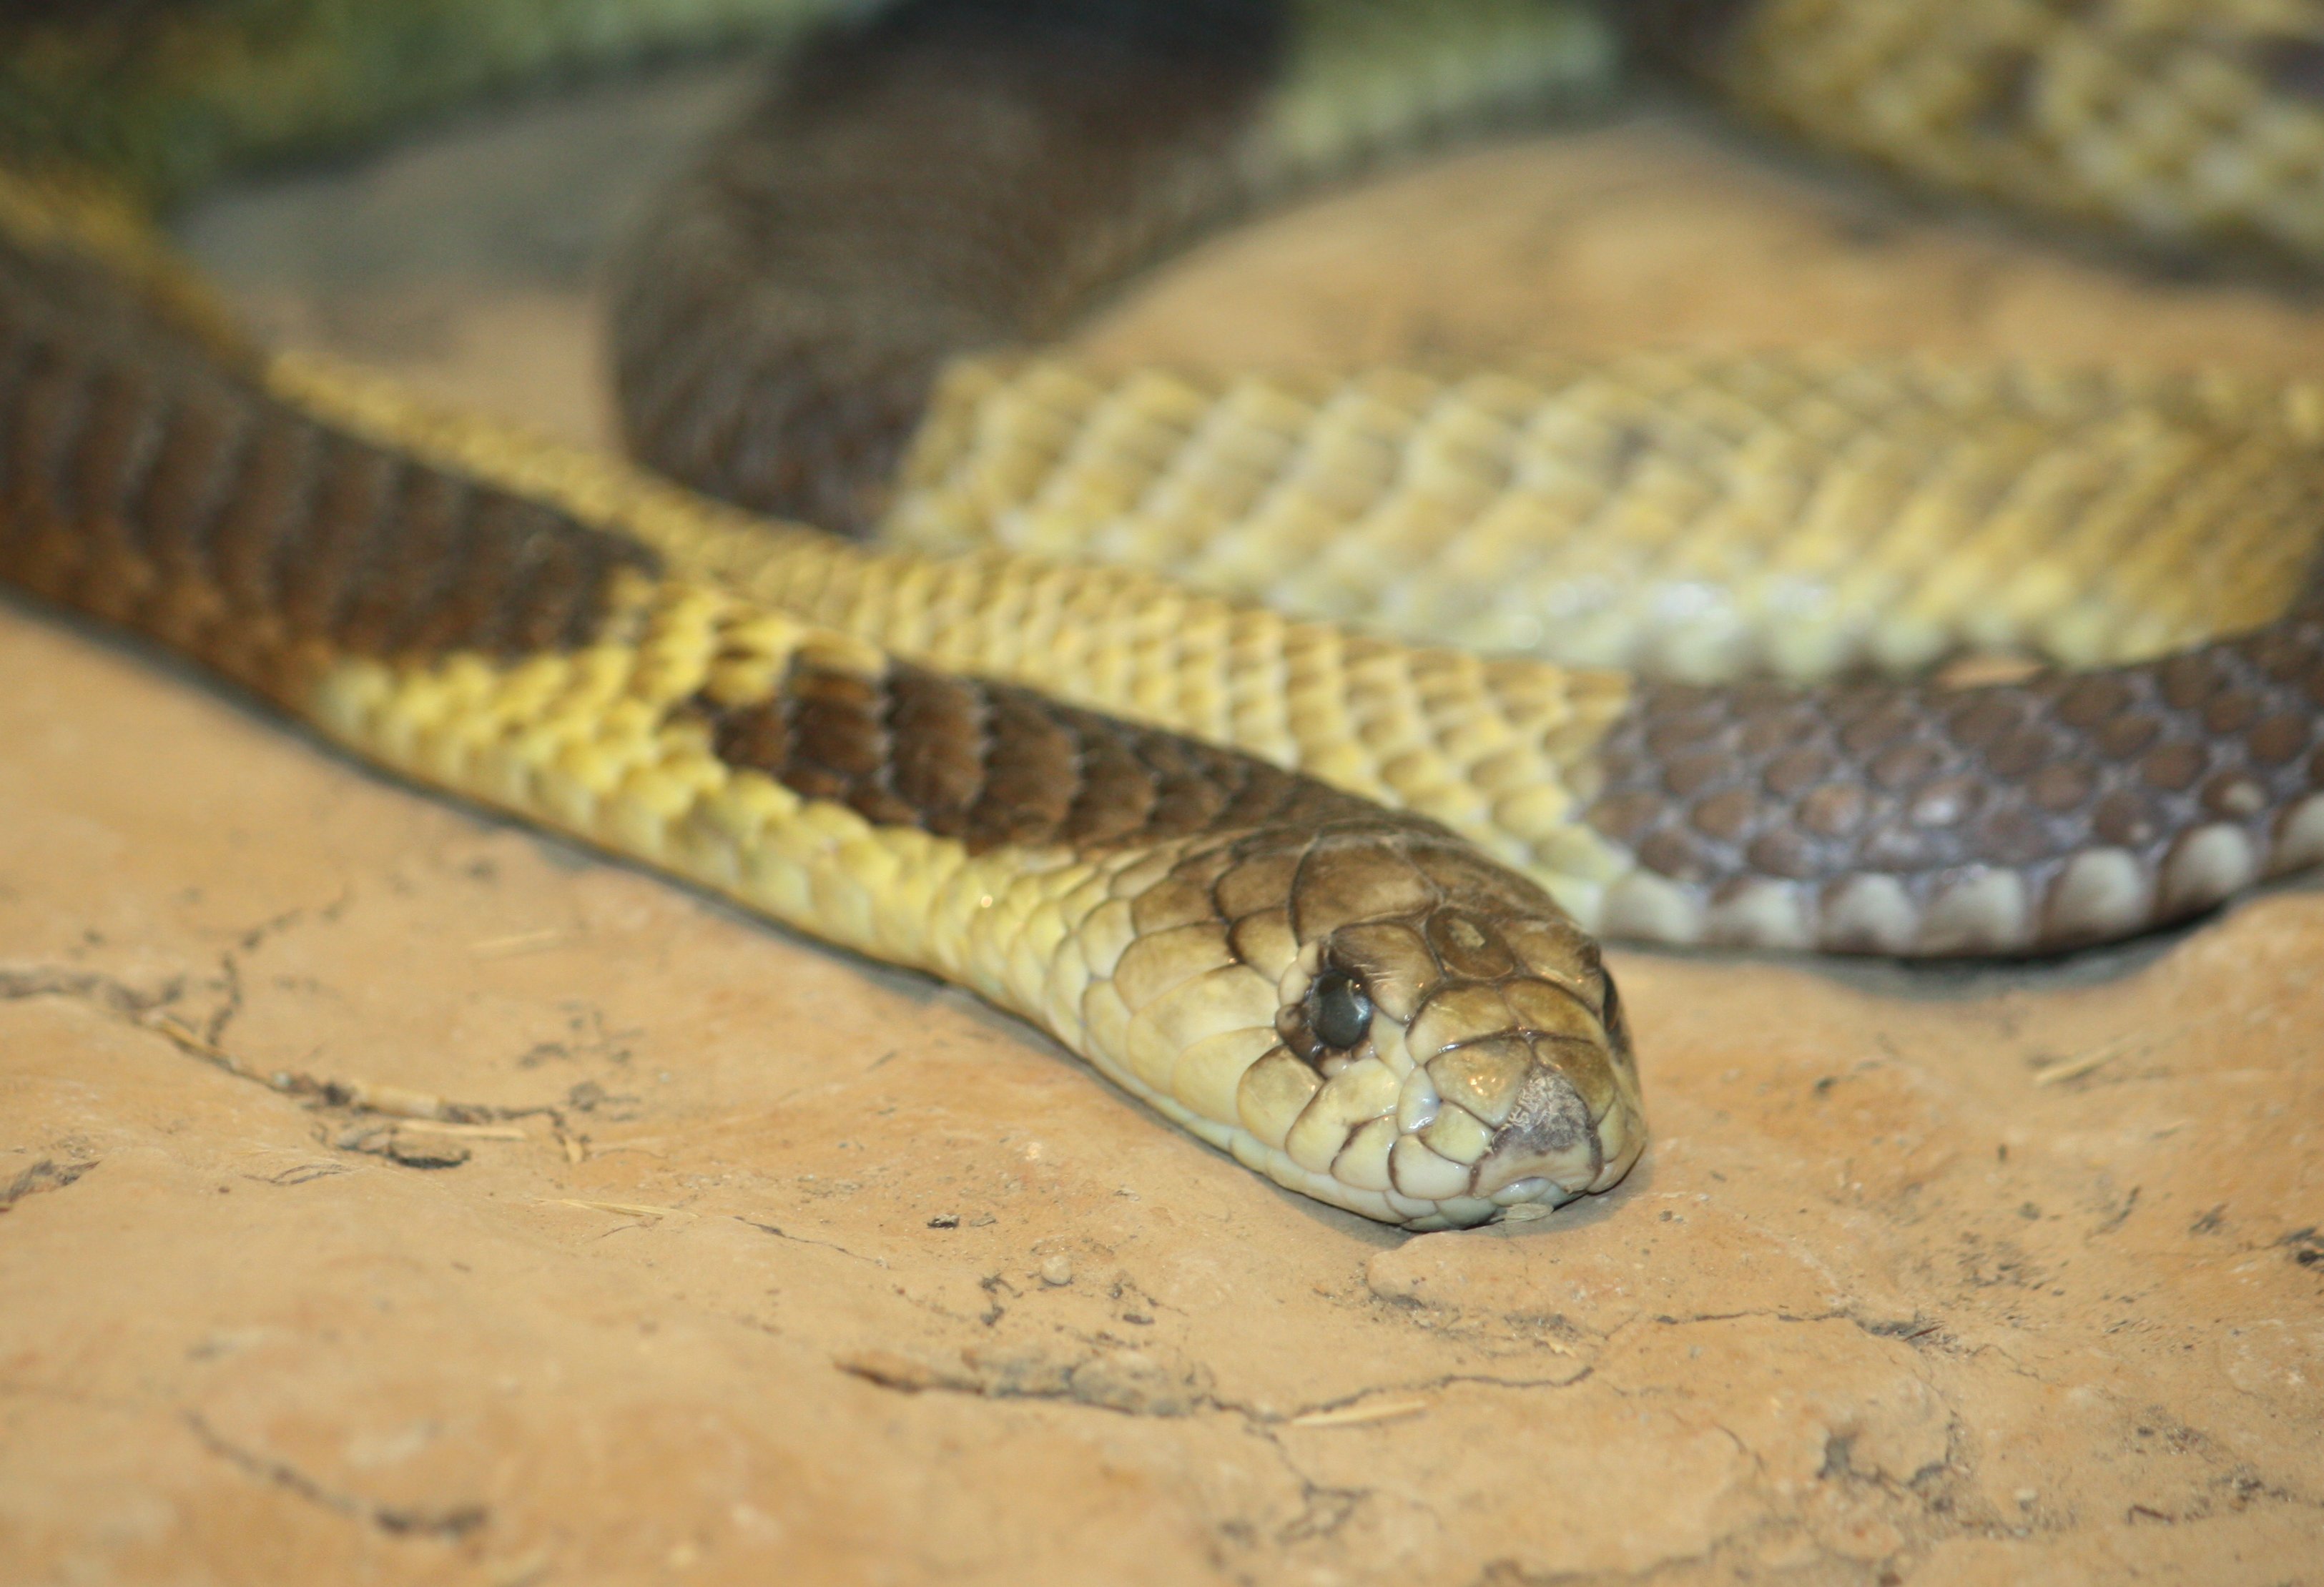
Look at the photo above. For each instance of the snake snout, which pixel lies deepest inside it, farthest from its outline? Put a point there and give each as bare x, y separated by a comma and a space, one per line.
1533, 1088
1580, 1120
1552, 1133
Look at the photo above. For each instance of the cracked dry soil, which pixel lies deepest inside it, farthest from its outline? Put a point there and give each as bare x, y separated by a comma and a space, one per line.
387, 1194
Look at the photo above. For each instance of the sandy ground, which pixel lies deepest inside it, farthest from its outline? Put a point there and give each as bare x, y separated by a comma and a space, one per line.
730, 1259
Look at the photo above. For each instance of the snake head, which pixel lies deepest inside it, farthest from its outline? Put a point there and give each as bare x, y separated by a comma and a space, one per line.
1447, 1047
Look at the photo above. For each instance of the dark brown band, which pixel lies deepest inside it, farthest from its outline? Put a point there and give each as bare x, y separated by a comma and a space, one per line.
950, 178
1689, 35
145, 484
993, 765
1717, 787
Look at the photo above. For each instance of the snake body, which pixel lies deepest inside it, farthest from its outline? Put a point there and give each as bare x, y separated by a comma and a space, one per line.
1313, 890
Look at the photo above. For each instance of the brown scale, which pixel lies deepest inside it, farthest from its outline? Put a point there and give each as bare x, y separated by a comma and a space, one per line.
950, 178
1717, 787
993, 765
147, 482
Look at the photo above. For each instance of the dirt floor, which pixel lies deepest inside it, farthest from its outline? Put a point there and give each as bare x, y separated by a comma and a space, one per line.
742, 1260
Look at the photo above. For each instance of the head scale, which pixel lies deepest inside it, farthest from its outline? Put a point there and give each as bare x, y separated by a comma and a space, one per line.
1447, 1048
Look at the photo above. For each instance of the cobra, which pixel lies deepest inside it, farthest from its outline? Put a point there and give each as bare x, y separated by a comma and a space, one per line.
1309, 884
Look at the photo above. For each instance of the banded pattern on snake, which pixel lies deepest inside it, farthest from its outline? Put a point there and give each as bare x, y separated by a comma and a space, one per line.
1312, 889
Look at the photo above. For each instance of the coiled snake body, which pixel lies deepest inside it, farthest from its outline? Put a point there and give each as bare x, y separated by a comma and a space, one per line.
1316, 884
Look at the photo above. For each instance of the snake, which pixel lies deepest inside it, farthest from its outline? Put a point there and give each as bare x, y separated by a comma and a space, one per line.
1282, 744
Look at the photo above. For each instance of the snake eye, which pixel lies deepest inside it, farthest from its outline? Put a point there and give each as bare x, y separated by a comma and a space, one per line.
1339, 1010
